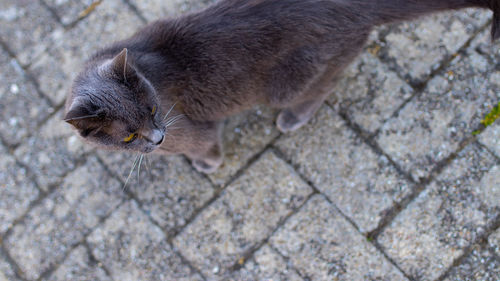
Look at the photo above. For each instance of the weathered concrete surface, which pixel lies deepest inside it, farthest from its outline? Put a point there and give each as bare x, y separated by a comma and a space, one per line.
387, 182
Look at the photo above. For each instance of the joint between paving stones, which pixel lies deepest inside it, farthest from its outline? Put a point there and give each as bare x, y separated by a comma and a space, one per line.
136, 11
47, 273
5, 254
419, 87
280, 155
249, 254
481, 241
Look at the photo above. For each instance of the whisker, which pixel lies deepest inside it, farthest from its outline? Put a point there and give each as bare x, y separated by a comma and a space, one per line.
139, 167
170, 110
148, 165
131, 171
174, 119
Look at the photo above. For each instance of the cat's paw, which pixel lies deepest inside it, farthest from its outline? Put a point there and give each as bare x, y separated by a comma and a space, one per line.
288, 122
206, 166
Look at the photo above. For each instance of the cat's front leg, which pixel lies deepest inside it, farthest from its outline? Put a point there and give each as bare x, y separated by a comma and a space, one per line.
208, 154
209, 162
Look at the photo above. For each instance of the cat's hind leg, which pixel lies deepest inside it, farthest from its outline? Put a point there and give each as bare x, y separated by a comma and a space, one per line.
295, 116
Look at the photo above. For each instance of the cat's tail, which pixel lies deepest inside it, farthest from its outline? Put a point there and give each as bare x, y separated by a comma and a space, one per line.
385, 11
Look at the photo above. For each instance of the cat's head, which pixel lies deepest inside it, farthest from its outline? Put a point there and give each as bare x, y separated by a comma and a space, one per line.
114, 106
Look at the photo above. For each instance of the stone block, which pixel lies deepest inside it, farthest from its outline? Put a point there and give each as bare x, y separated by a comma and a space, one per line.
417, 48
361, 183
169, 190
369, 93
456, 209
56, 69
79, 266
322, 245
266, 264
26, 26
17, 191
245, 135
52, 152
133, 248
245, 214
432, 126
62, 220
22, 108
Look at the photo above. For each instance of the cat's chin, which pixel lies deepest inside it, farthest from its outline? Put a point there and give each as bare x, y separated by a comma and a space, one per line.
149, 149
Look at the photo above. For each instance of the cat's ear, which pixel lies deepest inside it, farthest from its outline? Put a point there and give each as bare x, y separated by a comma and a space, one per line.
120, 66
83, 116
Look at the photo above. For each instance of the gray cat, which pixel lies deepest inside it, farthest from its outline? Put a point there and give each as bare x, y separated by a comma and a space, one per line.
169, 87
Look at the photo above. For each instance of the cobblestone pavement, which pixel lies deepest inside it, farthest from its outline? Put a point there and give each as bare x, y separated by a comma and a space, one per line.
388, 181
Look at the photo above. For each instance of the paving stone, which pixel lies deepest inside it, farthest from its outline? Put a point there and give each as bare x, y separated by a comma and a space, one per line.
69, 11
158, 9
370, 93
266, 264
57, 68
22, 108
6, 271
62, 219
15, 27
483, 45
79, 266
491, 138
322, 245
133, 248
245, 214
494, 241
245, 135
416, 48
169, 190
52, 152
480, 264
17, 191
431, 126
457, 207
362, 184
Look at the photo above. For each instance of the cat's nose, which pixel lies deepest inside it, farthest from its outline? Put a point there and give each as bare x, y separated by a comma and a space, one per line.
161, 140
155, 136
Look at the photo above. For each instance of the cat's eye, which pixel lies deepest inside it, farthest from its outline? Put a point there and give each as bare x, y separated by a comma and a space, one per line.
153, 111
130, 138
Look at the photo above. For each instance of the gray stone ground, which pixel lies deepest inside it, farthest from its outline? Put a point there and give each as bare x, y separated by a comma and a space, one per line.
386, 183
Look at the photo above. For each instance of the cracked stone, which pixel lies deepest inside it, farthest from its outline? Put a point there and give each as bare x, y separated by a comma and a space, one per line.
456, 209
242, 217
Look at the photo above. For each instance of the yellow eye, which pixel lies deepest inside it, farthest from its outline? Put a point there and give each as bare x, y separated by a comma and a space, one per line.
130, 138
154, 110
